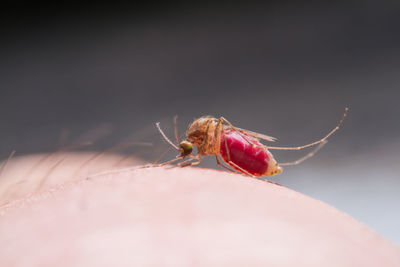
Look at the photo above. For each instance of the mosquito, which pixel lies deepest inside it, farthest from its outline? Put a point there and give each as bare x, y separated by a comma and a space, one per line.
240, 149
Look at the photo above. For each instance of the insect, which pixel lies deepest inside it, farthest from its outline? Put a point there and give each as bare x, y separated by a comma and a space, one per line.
240, 149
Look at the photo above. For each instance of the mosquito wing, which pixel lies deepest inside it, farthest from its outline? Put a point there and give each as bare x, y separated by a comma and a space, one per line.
257, 135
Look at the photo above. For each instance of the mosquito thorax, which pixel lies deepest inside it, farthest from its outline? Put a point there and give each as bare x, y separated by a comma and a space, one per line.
199, 129
186, 148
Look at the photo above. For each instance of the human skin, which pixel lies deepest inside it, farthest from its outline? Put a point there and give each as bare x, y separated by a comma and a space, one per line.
163, 216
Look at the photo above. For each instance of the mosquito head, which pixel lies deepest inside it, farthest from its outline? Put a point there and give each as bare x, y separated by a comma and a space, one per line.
186, 148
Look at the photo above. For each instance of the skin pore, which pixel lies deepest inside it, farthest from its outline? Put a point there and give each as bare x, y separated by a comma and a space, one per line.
105, 214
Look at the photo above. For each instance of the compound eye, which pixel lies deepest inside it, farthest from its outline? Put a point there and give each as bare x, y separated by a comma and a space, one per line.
186, 148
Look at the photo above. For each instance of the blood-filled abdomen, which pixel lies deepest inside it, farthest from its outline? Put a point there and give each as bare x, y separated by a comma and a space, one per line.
252, 159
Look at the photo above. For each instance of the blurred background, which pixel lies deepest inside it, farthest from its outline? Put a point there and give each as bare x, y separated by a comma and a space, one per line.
73, 72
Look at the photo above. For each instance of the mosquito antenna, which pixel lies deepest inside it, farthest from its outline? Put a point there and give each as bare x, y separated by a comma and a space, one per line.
165, 137
316, 142
309, 155
176, 128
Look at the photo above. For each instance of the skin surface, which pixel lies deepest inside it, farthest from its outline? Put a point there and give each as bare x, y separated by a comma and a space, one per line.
175, 217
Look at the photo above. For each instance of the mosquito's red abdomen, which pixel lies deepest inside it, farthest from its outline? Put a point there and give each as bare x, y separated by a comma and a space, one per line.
253, 159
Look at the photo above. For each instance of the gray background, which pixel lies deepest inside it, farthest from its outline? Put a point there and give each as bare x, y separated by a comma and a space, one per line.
285, 69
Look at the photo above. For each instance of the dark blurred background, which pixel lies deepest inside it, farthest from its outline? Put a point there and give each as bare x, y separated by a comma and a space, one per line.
71, 72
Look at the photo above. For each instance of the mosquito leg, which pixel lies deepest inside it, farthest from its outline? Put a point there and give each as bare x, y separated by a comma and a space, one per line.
170, 161
298, 147
246, 173
222, 165
241, 134
316, 142
268, 181
187, 163
206, 135
131, 156
220, 123
309, 155
243, 171
227, 150
226, 143
176, 128
218, 131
